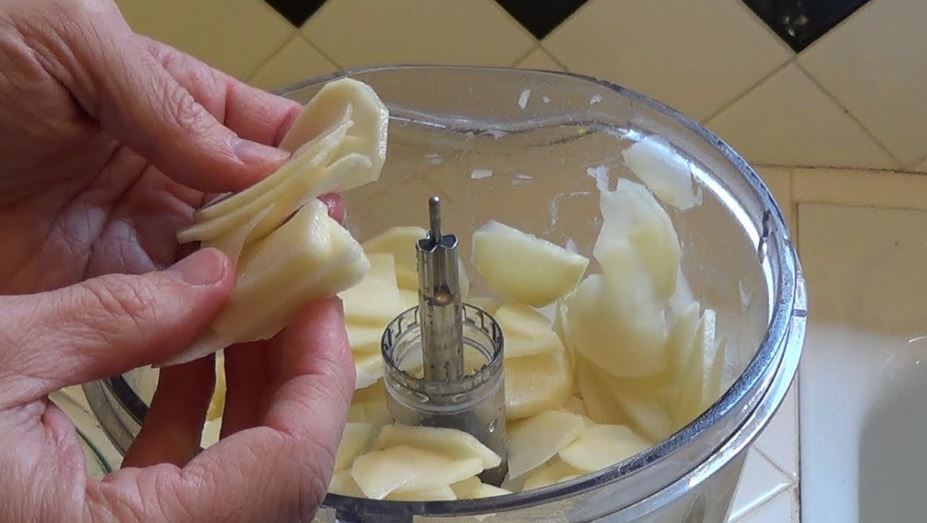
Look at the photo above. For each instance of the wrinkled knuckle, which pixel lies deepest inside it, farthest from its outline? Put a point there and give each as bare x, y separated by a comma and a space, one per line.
119, 298
186, 112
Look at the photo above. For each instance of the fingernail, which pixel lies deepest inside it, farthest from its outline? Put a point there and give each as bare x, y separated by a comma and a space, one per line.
253, 153
202, 268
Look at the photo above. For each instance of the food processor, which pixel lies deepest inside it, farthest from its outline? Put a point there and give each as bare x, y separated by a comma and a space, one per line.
468, 145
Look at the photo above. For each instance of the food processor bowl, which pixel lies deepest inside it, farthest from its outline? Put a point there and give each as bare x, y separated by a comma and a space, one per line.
526, 148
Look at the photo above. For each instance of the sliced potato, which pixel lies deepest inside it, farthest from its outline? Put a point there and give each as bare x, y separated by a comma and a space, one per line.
368, 368
466, 488
699, 384
601, 446
354, 440
681, 339
523, 268
217, 402
310, 257
526, 331
364, 338
601, 407
357, 413
405, 468
442, 493
536, 383
407, 298
375, 300
533, 441
455, 444
575, 405
632, 216
344, 485
488, 491
607, 324
554, 471
665, 171
641, 401
490, 305
400, 241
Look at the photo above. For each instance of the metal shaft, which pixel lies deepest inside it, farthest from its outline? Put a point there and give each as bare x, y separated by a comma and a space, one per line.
440, 309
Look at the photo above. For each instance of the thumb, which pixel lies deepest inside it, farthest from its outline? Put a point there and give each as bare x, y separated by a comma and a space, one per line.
107, 325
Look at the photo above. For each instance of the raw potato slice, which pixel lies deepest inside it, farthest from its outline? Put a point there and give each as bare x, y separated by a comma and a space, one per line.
633, 219
354, 440
575, 405
665, 171
640, 400
364, 338
443, 493
601, 407
681, 339
452, 443
487, 491
211, 430
404, 468
535, 440
368, 368
407, 298
536, 383
310, 257
344, 485
217, 403
375, 300
608, 324
526, 331
601, 446
357, 413
699, 385
554, 471
523, 268
490, 305
466, 488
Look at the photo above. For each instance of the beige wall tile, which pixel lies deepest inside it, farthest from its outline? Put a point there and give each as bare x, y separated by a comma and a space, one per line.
539, 59
856, 187
876, 66
760, 481
236, 36
297, 61
788, 120
695, 56
364, 32
921, 167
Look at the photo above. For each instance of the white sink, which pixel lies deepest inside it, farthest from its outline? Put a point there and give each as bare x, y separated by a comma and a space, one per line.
863, 378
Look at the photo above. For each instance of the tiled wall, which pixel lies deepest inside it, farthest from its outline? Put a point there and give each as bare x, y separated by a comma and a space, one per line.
853, 97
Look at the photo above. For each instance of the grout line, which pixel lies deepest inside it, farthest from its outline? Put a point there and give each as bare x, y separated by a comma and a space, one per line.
250, 76
793, 476
852, 116
747, 91
526, 54
864, 170
325, 55
761, 504
552, 56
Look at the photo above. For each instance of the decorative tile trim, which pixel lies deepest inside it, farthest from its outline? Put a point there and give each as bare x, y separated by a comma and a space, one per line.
800, 22
296, 11
540, 17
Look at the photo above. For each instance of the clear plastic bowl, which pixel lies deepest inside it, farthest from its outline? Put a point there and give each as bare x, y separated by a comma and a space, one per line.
540, 134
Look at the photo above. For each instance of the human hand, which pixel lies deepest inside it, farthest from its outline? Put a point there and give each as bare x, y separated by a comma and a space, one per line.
111, 142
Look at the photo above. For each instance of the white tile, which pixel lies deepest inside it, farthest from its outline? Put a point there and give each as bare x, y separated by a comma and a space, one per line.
875, 64
361, 32
539, 59
779, 441
759, 481
781, 509
788, 120
867, 302
236, 36
695, 56
297, 61
860, 187
921, 167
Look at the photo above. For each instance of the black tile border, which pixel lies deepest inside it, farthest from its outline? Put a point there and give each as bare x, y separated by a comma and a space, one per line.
296, 11
800, 22
540, 17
